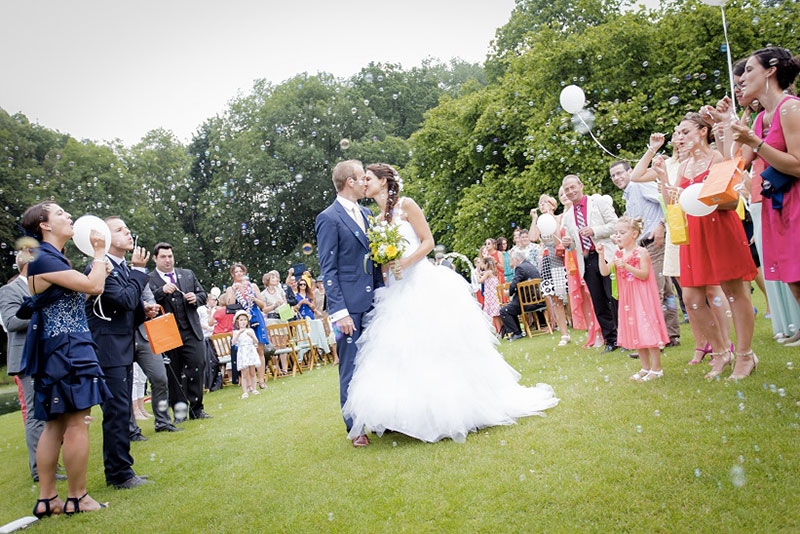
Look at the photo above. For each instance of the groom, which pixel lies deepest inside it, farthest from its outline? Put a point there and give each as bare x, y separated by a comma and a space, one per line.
349, 275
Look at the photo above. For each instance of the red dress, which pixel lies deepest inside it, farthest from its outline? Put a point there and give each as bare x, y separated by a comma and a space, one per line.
718, 248
641, 320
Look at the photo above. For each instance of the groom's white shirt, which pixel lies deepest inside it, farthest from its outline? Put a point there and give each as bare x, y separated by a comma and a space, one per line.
351, 207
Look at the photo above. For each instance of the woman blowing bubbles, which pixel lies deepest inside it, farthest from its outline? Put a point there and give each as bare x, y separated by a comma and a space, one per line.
775, 138
59, 354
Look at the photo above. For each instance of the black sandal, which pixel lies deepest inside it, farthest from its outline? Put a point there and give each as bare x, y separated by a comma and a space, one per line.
47, 510
76, 507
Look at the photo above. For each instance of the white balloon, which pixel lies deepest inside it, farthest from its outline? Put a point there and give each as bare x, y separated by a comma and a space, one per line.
716, 3
691, 205
572, 99
546, 224
82, 229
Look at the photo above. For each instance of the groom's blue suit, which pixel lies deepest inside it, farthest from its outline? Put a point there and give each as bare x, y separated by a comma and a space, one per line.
350, 278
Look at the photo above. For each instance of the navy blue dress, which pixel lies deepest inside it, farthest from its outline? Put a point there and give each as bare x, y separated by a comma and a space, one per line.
59, 351
305, 310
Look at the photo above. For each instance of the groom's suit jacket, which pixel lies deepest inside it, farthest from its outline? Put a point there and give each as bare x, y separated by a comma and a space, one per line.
350, 276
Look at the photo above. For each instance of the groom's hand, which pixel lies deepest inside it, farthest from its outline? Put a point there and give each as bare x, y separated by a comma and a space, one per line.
346, 326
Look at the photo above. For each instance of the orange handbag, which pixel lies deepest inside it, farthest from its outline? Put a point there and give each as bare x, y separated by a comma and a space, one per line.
720, 185
163, 333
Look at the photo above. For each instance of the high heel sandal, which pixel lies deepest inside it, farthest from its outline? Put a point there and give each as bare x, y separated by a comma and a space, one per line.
745, 358
48, 511
76, 507
719, 361
703, 352
790, 339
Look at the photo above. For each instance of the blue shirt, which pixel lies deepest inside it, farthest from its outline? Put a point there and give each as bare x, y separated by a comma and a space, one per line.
642, 200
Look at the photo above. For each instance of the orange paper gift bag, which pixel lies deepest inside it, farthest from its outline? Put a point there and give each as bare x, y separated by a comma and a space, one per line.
162, 333
720, 185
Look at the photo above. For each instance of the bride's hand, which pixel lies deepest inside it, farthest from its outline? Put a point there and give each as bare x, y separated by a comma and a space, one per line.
403, 264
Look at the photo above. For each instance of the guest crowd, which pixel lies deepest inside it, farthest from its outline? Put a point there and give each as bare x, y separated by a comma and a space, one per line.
78, 339
621, 273
623, 279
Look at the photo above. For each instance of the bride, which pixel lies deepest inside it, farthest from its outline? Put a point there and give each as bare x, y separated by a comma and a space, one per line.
427, 365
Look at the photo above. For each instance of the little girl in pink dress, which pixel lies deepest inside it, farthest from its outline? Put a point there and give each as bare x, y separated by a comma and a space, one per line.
641, 320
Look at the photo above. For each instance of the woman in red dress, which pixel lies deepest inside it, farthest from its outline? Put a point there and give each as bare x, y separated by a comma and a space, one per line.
718, 253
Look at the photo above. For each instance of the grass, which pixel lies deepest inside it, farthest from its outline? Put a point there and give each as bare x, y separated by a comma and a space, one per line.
676, 455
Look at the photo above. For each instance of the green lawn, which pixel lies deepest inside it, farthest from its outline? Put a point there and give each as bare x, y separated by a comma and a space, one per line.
676, 455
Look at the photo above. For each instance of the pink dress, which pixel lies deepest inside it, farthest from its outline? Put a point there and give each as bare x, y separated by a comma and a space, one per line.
490, 303
641, 320
578, 295
780, 228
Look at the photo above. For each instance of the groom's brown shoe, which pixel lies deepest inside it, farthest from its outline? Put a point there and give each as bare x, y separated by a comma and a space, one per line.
361, 441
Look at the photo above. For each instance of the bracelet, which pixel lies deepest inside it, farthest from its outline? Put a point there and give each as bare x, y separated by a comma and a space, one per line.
99, 260
758, 147
650, 149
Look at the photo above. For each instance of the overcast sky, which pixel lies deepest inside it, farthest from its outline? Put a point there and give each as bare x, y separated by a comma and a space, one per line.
105, 69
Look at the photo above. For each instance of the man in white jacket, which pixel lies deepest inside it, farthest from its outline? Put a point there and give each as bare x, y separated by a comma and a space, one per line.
588, 221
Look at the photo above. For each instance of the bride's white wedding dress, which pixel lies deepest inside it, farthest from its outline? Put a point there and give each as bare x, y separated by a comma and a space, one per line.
427, 363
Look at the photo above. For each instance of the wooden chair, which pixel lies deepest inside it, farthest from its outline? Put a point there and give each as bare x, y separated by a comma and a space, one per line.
502, 293
307, 353
280, 337
222, 346
327, 357
533, 304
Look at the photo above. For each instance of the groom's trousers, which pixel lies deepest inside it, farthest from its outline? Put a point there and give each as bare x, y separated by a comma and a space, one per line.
346, 346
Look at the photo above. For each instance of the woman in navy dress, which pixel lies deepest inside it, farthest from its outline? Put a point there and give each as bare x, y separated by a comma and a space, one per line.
305, 300
60, 355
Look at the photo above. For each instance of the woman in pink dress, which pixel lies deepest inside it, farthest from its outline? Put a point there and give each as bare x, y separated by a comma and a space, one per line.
641, 321
775, 140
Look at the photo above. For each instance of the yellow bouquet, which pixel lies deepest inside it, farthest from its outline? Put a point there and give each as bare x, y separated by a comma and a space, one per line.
385, 242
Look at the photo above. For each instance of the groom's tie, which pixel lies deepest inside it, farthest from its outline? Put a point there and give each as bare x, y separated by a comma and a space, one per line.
358, 217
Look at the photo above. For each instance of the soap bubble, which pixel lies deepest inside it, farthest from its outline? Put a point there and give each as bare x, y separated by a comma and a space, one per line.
737, 476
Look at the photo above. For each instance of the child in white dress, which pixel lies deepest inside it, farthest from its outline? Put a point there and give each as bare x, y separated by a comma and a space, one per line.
247, 356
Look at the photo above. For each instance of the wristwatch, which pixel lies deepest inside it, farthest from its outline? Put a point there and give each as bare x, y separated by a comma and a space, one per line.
758, 147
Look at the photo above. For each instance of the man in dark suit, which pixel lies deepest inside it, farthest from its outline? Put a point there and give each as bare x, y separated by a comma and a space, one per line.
11, 297
349, 275
179, 292
113, 322
509, 314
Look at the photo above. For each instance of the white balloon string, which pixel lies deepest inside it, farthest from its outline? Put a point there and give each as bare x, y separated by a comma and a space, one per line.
730, 62
97, 308
589, 129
